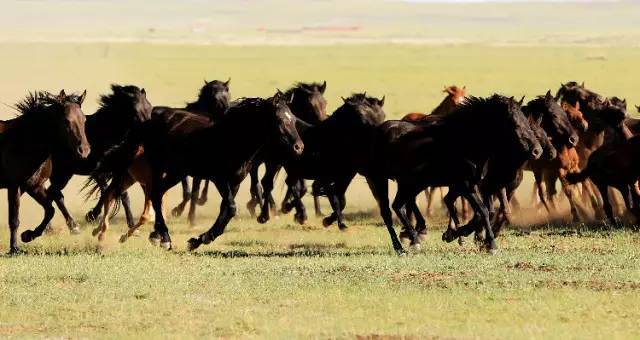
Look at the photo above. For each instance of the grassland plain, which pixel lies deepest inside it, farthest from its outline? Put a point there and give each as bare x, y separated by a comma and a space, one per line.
282, 280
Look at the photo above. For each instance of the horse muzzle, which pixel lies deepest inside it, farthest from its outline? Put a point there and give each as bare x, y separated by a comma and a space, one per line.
83, 151
536, 152
298, 148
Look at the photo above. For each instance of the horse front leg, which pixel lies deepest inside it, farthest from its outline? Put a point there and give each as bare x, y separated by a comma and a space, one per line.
255, 189
401, 201
13, 197
267, 185
379, 187
39, 194
204, 194
227, 212
126, 204
144, 217
93, 214
58, 182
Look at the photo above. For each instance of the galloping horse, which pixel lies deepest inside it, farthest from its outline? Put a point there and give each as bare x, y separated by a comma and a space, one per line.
310, 107
119, 112
423, 155
455, 96
170, 155
48, 126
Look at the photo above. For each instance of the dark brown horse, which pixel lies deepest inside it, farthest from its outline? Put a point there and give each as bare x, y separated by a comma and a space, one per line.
119, 112
455, 96
418, 156
231, 144
48, 125
212, 102
334, 150
310, 107
617, 166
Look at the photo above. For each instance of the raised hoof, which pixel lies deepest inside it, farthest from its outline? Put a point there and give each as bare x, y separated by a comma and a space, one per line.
154, 238
177, 212
327, 221
461, 241
91, 216
404, 235
286, 208
263, 219
124, 238
193, 244
27, 236
448, 236
343, 227
165, 245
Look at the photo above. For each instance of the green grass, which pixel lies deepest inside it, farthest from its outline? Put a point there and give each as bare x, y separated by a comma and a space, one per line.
281, 280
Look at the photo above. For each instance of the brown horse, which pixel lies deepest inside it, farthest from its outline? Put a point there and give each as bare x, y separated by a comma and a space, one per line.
48, 125
455, 96
619, 167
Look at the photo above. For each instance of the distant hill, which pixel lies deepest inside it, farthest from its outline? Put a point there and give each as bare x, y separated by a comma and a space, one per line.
294, 22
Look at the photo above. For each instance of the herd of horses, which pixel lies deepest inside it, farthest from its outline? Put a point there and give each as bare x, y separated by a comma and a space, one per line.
476, 147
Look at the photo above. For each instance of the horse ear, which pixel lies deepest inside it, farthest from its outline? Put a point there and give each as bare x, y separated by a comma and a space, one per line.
624, 101
62, 96
226, 83
445, 89
82, 97
548, 96
206, 82
343, 99
464, 88
582, 85
290, 99
521, 101
381, 101
144, 92
323, 87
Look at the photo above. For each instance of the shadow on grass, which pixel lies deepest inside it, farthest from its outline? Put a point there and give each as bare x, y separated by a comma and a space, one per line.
295, 252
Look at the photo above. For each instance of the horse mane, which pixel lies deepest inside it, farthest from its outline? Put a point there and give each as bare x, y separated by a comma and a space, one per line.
300, 86
114, 98
359, 103
472, 103
37, 101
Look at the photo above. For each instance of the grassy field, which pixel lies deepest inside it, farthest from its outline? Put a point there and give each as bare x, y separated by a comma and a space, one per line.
281, 280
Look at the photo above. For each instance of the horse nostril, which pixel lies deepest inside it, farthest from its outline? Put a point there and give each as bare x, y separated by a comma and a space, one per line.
573, 140
536, 152
297, 147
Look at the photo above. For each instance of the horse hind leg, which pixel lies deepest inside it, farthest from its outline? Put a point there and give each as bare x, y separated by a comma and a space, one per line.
195, 188
145, 217
186, 196
13, 196
204, 194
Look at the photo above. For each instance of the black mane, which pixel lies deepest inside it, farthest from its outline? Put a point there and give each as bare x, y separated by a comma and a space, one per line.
38, 101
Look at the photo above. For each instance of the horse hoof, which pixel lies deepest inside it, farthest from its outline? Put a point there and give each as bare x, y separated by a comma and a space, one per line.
201, 201
124, 238
448, 236
165, 245
27, 236
193, 244
91, 217
343, 227
401, 252
461, 241
13, 251
286, 208
101, 237
263, 219
206, 238
327, 222
95, 231
415, 246
154, 238
404, 235
491, 247
75, 231
319, 214
301, 220
176, 212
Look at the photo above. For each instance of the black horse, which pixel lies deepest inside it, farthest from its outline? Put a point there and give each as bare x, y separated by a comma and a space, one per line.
310, 107
334, 151
452, 152
119, 112
228, 146
213, 101
48, 126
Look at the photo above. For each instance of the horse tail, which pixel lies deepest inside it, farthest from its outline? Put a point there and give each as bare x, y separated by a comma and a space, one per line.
577, 177
113, 166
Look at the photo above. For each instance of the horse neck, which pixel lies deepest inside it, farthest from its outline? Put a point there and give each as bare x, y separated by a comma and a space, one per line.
249, 141
105, 129
203, 106
446, 106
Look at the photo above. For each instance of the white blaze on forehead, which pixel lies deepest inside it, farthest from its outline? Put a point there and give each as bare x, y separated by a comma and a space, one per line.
288, 115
